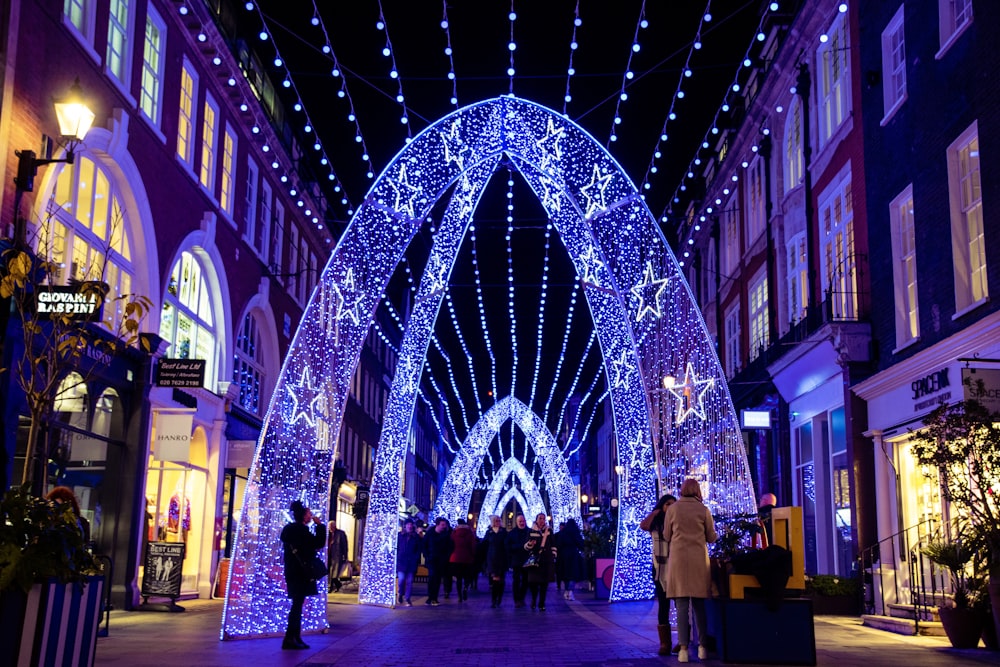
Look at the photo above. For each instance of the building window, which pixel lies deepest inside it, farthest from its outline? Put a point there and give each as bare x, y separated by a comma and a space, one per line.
87, 235
966, 198
733, 341
278, 240
209, 143
954, 17
264, 233
80, 14
755, 201
834, 79
793, 145
228, 173
303, 283
250, 202
798, 274
293, 260
150, 97
248, 369
187, 322
118, 43
759, 337
893, 65
904, 267
730, 241
185, 117
836, 216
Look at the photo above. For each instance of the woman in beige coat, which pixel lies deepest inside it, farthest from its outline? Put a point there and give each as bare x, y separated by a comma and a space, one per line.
688, 528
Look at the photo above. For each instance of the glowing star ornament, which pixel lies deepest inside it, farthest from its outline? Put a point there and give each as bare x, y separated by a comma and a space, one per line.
548, 147
622, 369
690, 394
551, 194
455, 148
589, 264
348, 299
649, 293
406, 194
301, 400
594, 192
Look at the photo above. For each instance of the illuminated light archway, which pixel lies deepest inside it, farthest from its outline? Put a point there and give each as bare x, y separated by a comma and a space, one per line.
527, 494
456, 491
515, 495
648, 324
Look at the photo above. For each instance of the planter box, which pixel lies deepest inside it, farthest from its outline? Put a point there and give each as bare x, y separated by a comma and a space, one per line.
752, 633
835, 605
51, 625
605, 575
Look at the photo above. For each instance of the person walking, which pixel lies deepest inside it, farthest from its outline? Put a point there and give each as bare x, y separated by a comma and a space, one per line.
408, 548
516, 555
653, 523
688, 527
336, 554
437, 549
496, 560
541, 546
299, 545
570, 546
463, 558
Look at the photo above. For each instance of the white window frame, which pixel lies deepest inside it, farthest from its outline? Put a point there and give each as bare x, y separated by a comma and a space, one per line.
838, 263
186, 115
277, 247
954, 18
264, 236
151, 84
965, 194
203, 326
893, 65
293, 260
227, 188
84, 26
209, 144
730, 221
250, 191
758, 315
797, 256
303, 284
732, 338
904, 268
755, 198
792, 155
834, 89
249, 360
117, 29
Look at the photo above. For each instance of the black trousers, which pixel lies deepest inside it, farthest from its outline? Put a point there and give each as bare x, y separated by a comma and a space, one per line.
497, 585
434, 576
538, 592
294, 630
520, 584
662, 605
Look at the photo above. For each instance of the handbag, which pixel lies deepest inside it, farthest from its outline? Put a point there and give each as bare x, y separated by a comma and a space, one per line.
531, 562
315, 568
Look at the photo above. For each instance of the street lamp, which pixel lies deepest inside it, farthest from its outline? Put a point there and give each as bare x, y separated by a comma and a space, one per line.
583, 503
75, 119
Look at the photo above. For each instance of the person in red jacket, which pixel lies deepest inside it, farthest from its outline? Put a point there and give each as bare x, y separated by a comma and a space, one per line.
463, 558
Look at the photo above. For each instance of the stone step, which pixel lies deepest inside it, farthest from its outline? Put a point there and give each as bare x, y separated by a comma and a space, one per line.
903, 626
910, 611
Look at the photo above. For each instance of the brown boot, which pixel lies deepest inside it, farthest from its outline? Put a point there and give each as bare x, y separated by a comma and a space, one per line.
664, 631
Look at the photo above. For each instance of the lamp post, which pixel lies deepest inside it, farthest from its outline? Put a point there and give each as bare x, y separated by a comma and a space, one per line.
75, 119
583, 504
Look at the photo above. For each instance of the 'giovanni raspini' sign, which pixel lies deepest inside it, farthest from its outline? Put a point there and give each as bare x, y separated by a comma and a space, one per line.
180, 373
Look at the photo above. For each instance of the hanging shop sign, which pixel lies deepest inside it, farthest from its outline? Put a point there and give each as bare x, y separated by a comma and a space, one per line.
180, 373
239, 453
754, 419
172, 439
162, 574
82, 302
983, 385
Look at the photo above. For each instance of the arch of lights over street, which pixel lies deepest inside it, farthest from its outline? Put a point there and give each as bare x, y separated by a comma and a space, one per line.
648, 325
456, 492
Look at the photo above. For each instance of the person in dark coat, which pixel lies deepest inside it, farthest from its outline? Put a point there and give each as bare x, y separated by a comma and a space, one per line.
541, 545
408, 549
496, 559
437, 549
463, 558
300, 545
569, 542
516, 537
336, 554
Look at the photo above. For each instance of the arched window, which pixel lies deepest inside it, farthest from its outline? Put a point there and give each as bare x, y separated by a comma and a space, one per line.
70, 403
793, 145
86, 233
248, 366
187, 321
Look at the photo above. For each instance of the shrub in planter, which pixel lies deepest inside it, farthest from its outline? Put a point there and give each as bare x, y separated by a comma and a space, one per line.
964, 617
832, 594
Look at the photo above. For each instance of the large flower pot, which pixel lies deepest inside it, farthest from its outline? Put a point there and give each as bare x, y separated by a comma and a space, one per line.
51, 625
994, 590
964, 627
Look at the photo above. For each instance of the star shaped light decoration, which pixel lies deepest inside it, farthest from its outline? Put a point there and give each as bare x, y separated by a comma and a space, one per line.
595, 192
589, 264
639, 451
622, 370
455, 148
550, 157
690, 394
348, 307
306, 394
437, 279
551, 194
406, 194
631, 528
649, 286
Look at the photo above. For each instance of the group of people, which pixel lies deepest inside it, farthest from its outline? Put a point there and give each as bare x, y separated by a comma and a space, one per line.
454, 558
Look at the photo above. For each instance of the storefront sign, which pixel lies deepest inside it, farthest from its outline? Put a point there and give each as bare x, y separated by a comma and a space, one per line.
239, 453
81, 303
931, 390
162, 575
85, 448
180, 373
753, 419
983, 385
172, 439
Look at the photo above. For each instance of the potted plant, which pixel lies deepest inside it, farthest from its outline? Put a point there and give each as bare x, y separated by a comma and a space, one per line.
834, 595
46, 568
960, 446
964, 615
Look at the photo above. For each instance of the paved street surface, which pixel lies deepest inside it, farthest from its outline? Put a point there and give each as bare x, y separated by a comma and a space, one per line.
584, 633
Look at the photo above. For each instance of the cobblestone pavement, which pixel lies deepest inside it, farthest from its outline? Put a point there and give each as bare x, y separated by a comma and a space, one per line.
583, 633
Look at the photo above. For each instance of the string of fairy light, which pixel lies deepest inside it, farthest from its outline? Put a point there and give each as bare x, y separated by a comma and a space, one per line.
573, 45
394, 71
628, 74
511, 47
446, 26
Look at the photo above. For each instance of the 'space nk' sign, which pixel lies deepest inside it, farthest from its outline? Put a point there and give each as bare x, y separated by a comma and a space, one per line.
83, 302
